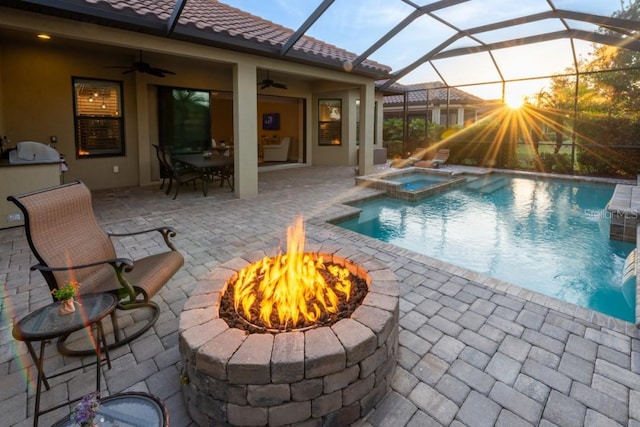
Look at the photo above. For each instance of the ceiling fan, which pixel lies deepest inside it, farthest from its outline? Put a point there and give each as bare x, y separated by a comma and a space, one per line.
267, 83
142, 67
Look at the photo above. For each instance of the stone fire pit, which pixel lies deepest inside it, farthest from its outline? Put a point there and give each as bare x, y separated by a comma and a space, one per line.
325, 375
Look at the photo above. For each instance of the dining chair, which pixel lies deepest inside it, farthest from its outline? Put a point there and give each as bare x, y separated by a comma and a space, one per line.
164, 173
184, 175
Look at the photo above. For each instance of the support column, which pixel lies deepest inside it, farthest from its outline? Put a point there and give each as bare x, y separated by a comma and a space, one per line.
245, 113
367, 107
144, 137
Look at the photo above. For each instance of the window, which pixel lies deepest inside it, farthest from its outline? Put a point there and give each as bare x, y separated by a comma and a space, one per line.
98, 118
330, 122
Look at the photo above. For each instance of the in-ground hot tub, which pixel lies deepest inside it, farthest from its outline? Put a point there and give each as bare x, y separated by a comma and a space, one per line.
325, 375
412, 184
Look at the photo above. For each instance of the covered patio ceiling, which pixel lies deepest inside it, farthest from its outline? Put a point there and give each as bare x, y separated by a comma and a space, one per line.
464, 43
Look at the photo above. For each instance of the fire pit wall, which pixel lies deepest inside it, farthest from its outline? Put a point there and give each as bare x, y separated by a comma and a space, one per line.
326, 376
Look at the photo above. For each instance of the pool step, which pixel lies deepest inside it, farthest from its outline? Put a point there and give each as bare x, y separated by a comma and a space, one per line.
487, 184
628, 282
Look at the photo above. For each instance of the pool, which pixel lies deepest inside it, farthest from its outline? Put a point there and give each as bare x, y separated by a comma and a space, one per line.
548, 236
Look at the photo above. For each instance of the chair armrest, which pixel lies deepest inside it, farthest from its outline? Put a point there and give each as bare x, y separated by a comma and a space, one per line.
118, 264
117, 261
167, 234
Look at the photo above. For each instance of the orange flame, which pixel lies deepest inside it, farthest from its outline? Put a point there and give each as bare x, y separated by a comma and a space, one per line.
289, 285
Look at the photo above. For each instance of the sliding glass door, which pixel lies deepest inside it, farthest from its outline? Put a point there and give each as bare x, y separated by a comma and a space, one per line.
184, 119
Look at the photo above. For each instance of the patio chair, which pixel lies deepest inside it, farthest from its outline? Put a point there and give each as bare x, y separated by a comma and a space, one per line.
69, 244
440, 158
164, 173
184, 175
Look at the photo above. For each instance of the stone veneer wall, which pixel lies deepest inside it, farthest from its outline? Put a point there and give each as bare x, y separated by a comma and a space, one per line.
327, 376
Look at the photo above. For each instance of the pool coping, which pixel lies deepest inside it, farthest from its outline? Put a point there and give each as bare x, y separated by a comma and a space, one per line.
601, 319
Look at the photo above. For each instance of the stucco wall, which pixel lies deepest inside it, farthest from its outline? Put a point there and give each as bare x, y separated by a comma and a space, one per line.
331, 154
38, 103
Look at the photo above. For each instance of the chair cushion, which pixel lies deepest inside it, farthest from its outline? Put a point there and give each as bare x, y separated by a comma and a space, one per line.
424, 164
152, 272
149, 274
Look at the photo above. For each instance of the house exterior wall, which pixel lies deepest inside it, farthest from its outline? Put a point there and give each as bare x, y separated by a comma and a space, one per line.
38, 103
37, 95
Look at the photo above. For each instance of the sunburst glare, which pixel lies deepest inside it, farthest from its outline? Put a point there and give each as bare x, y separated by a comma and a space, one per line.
514, 102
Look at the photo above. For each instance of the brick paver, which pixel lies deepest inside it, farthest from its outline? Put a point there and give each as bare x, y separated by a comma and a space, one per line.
473, 351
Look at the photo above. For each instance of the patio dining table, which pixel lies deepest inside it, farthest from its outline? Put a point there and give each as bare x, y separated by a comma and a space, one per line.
214, 165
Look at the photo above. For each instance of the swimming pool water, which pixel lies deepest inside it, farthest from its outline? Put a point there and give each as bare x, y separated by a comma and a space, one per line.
548, 236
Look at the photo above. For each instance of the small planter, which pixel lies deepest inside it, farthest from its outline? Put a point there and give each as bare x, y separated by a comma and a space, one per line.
67, 306
65, 295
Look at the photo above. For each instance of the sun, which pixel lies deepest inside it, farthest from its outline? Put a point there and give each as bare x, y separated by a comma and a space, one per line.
514, 102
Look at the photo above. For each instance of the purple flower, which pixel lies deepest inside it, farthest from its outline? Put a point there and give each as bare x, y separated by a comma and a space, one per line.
87, 409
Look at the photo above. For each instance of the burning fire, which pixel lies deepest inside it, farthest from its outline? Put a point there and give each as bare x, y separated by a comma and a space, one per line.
290, 287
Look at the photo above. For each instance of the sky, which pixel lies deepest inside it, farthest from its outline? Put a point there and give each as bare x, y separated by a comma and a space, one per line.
355, 25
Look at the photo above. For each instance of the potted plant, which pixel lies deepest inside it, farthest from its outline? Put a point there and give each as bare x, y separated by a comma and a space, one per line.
65, 295
87, 410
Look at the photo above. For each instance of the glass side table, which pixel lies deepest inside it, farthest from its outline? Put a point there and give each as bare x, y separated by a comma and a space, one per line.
131, 409
47, 323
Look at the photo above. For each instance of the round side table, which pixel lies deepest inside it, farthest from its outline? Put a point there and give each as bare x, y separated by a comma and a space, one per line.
130, 409
47, 323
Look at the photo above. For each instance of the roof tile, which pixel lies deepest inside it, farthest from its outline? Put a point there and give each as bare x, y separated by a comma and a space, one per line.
219, 18
437, 94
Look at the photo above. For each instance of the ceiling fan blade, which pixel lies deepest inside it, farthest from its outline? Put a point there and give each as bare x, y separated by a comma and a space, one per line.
267, 83
142, 67
154, 72
162, 70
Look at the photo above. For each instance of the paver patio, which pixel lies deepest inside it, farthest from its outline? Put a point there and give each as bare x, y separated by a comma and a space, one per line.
473, 351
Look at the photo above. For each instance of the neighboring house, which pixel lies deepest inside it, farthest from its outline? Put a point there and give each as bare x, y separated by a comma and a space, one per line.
435, 103
117, 77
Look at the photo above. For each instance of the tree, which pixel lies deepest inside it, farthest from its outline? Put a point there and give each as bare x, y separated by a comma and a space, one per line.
620, 89
607, 117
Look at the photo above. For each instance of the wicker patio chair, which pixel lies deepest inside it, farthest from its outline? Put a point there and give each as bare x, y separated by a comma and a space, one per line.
70, 245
